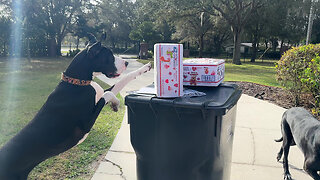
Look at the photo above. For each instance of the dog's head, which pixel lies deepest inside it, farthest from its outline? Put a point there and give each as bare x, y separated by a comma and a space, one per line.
104, 61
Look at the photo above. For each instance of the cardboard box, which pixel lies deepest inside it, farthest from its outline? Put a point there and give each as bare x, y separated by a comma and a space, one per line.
168, 70
203, 72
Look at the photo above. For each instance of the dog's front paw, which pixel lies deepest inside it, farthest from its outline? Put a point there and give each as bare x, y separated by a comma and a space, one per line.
149, 66
146, 68
110, 97
115, 103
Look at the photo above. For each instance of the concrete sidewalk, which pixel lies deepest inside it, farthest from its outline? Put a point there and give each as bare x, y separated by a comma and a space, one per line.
254, 151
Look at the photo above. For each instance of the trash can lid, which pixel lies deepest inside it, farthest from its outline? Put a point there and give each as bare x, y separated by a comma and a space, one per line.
220, 98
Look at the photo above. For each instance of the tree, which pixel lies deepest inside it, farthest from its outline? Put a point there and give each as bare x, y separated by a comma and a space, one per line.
236, 13
256, 28
283, 22
145, 32
219, 35
175, 22
54, 17
193, 27
157, 13
57, 19
81, 28
316, 31
5, 22
315, 38
116, 18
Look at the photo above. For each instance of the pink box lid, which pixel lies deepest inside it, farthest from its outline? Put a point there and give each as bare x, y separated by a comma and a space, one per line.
202, 61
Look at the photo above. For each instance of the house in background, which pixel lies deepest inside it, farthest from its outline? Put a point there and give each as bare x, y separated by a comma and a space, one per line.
244, 49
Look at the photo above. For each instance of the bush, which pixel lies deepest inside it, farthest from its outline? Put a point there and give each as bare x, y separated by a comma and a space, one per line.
311, 79
296, 67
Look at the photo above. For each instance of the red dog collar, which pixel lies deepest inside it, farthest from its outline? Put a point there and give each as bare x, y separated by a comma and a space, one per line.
74, 81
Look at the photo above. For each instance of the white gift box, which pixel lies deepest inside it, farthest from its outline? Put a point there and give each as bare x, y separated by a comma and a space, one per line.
203, 72
168, 70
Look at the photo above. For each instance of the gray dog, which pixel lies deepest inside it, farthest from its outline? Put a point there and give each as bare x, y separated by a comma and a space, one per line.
300, 128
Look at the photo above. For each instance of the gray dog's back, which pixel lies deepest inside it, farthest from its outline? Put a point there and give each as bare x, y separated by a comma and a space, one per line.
304, 127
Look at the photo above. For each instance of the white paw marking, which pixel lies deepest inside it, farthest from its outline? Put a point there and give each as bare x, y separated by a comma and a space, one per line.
110, 97
83, 138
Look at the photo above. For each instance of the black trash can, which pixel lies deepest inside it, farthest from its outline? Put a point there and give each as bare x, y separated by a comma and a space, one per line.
184, 138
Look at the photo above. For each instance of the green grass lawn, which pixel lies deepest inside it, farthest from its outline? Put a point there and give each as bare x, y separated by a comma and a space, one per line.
261, 72
24, 87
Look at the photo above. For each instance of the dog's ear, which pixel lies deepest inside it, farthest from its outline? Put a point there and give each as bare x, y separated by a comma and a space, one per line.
94, 49
92, 39
103, 36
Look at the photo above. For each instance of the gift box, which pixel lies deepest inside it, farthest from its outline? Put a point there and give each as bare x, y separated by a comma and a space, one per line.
168, 70
203, 72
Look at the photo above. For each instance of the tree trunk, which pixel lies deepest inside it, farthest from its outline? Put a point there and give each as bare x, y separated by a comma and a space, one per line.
113, 45
266, 43
138, 46
4, 48
282, 49
255, 44
236, 47
52, 47
274, 44
58, 47
78, 41
200, 46
254, 52
254, 48
217, 48
28, 49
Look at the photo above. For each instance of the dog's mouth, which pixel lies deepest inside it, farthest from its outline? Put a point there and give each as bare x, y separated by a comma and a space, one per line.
116, 75
112, 75
119, 69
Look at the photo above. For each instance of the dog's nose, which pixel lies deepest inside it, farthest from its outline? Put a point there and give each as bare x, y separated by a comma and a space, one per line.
126, 63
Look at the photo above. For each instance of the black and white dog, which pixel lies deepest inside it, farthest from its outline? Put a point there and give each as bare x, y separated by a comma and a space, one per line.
69, 112
300, 128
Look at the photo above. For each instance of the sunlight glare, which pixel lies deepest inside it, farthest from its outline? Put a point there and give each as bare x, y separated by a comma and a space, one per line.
15, 57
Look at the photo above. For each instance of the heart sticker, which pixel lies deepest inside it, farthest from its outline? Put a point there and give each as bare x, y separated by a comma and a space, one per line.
167, 80
176, 85
169, 88
170, 73
166, 66
194, 68
206, 71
